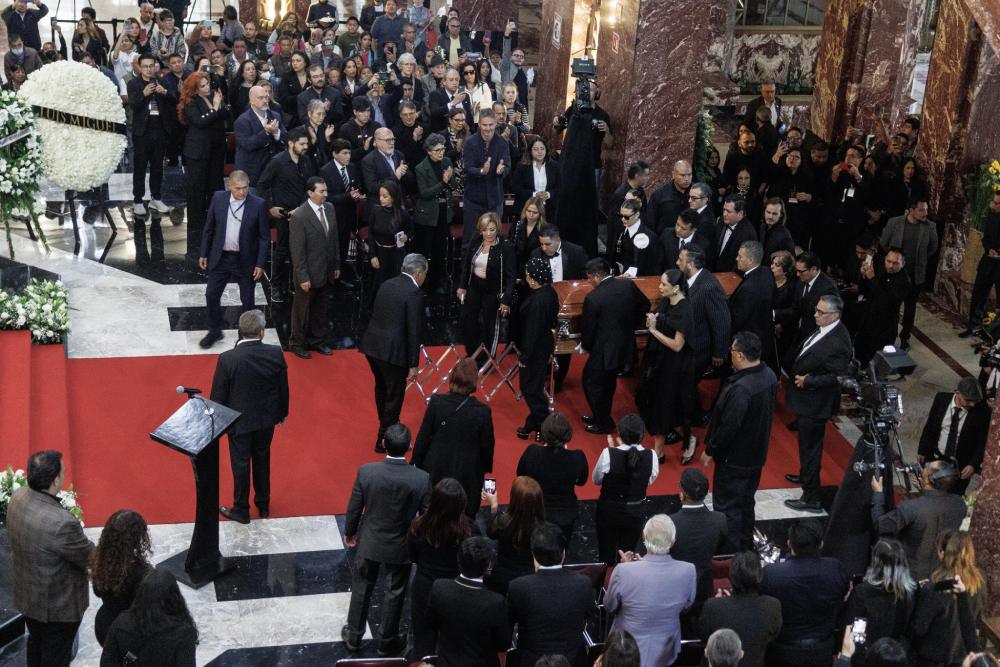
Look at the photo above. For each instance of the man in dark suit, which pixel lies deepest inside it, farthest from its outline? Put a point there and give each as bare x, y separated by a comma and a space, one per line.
710, 312
685, 231
315, 248
767, 99
569, 262
637, 251
551, 606
318, 90
252, 378
344, 191
48, 562
611, 312
811, 591
383, 164
487, 161
442, 101
956, 430
752, 304
146, 96
667, 202
738, 435
813, 393
701, 533
391, 342
731, 233
814, 285
884, 288
259, 135
232, 250
386, 497
700, 200
468, 619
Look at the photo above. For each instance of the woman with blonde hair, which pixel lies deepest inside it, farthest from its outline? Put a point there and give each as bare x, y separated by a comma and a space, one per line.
486, 288
524, 235
86, 39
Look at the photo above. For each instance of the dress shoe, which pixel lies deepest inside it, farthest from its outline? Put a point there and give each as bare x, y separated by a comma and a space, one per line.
210, 339
234, 515
597, 429
587, 419
345, 634
794, 479
300, 353
688, 454
965, 334
524, 433
347, 284
804, 505
264, 512
379, 447
325, 350
673, 438
904, 344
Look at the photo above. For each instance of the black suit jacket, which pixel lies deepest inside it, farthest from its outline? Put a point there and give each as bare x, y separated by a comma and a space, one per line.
206, 129
574, 259
253, 379
550, 609
751, 305
254, 146
386, 497
437, 109
331, 94
343, 205
397, 322
670, 247
501, 267
255, 233
522, 184
469, 621
315, 251
646, 260
971, 439
751, 115
701, 534
801, 314
775, 238
725, 257
140, 105
611, 314
710, 311
822, 364
375, 170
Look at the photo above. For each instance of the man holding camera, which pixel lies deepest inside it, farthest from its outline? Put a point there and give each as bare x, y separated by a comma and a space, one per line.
956, 430
883, 291
917, 522
600, 129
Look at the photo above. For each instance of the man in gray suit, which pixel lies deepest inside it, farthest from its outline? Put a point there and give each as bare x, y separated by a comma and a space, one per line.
49, 555
388, 494
315, 248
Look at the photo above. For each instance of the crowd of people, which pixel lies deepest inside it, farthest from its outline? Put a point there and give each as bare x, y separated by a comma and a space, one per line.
351, 144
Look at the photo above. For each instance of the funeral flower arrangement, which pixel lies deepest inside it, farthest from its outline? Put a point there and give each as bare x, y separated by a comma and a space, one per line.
11, 480
78, 107
20, 164
979, 189
41, 309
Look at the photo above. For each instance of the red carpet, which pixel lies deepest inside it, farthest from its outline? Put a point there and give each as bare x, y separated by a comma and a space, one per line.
114, 403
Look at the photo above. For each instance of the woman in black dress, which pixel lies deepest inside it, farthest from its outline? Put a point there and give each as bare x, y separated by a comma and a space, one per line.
239, 88
435, 537
536, 342
782, 267
524, 235
204, 113
456, 436
389, 232
668, 368
512, 531
557, 470
293, 82
117, 565
486, 288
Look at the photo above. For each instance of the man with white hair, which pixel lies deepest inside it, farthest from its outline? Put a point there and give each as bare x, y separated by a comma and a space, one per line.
647, 594
723, 649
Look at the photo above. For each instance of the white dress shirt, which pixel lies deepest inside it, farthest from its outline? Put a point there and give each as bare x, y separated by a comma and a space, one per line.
234, 220
541, 180
694, 278
818, 336
942, 443
556, 263
320, 215
604, 464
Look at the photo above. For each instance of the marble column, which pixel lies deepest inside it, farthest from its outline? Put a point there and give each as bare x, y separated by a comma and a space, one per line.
486, 14
867, 47
553, 65
985, 527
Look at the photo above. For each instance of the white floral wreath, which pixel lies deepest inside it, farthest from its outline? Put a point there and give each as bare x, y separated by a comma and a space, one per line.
20, 162
74, 157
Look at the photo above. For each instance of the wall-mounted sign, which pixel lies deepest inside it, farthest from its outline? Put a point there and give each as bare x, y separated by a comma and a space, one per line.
557, 31
615, 39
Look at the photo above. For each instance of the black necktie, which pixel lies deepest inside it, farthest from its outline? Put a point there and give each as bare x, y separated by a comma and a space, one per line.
952, 444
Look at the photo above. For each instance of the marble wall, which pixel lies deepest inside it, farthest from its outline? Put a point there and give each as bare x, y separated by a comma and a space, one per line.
985, 527
553, 65
486, 14
787, 59
615, 69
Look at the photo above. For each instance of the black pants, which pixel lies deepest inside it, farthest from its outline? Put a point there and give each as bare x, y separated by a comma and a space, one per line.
562, 369
148, 152
362, 587
250, 456
390, 385
227, 270
424, 637
810, 454
310, 322
281, 259
431, 242
599, 388
909, 310
479, 317
50, 644
619, 526
987, 278
733, 492
204, 177
801, 654
532, 377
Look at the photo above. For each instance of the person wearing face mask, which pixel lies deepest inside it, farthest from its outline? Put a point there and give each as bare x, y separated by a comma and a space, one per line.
23, 56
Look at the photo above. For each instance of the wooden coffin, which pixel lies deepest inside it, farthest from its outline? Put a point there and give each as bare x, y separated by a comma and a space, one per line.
573, 292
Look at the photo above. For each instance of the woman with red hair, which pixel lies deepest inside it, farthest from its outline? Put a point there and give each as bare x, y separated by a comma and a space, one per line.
204, 112
512, 531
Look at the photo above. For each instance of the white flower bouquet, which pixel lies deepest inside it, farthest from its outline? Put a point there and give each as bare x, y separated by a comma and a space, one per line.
20, 163
41, 308
11, 480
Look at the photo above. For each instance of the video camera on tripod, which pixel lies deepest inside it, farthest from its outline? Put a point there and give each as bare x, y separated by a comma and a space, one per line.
585, 71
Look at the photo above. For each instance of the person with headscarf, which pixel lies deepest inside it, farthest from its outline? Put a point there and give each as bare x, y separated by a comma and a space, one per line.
536, 342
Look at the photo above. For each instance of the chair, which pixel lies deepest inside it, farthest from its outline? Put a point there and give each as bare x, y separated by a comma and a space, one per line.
371, 662
720, 572
692, 651
229, 166
596, 572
